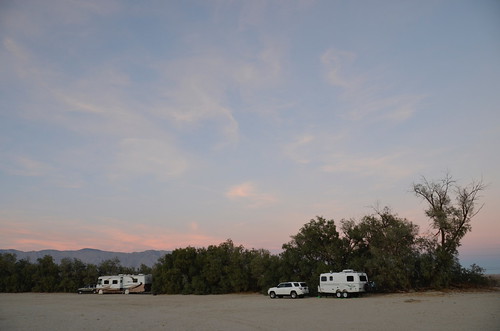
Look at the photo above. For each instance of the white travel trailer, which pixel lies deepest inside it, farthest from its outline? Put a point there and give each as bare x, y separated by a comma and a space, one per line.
124, 284
342, 284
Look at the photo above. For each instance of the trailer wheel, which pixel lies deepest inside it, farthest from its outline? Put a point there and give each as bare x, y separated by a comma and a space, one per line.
293, 295
101, 292
272, 295
345, 295
339, 294
127, 291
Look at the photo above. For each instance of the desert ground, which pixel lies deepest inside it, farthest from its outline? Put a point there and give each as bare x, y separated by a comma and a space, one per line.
408, 311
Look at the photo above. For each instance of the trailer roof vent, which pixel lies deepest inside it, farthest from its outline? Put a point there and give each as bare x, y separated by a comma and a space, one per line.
348, 270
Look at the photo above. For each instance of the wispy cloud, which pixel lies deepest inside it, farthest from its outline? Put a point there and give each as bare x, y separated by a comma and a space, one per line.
336, 73
185, 95
95, 104
309, 148
22, 165
364, 96
199, 98
262, 70
199, 90
395, 108
141, 157
17, 164
295, 150
393, 165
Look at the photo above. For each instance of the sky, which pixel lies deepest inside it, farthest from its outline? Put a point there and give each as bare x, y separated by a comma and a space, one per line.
129, 126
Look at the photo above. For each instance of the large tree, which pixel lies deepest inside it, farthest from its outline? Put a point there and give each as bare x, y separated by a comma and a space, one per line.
383, 245
450, 208
319, 241
317, 248
450, 217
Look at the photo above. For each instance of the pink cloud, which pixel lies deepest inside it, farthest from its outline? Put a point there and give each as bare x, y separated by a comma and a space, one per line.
243, 190
248, 191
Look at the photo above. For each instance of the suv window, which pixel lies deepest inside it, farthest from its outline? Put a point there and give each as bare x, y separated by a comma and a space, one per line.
303, 284
288, 285
296, 284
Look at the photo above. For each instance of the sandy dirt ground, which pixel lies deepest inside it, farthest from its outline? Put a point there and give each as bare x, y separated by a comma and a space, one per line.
414, 311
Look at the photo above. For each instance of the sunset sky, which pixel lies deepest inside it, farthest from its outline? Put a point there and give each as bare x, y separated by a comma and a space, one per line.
136, 125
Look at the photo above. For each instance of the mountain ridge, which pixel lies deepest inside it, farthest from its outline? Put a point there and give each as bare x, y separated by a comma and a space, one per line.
92, 256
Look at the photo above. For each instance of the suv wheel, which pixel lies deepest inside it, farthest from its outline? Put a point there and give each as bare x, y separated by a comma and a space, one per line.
293, 294
272, 295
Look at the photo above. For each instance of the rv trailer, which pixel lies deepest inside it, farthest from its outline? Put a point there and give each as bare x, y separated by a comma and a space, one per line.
124, 284
343, 284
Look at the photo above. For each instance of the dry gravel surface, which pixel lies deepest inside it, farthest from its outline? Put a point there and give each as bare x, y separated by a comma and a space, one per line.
409, 311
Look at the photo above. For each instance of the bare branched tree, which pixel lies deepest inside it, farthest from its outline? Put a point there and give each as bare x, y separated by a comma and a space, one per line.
450, 218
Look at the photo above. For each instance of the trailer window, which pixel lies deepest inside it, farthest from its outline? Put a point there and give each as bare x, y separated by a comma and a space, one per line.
350, 278
331, 278
106, 281
115, 281
323, 278
134, 280
362, 278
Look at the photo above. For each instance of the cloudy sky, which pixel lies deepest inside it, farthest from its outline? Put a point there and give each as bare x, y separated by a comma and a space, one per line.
130, 125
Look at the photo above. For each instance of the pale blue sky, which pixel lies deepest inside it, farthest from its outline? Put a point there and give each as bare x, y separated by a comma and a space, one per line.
130, 125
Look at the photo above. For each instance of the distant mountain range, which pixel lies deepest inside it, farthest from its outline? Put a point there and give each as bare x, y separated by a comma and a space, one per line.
93, 256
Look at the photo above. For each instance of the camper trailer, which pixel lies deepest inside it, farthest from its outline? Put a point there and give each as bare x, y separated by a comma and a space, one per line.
342, 284
124, 284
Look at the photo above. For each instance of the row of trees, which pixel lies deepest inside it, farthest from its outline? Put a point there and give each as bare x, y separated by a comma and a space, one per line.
387, 247
45, 275
225, 268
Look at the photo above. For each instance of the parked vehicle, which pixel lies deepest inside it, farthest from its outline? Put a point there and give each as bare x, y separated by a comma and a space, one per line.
343, 284
87, 289
291, 289
124, 284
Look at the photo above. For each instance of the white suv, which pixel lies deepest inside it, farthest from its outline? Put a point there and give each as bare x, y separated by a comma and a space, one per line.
292, 289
